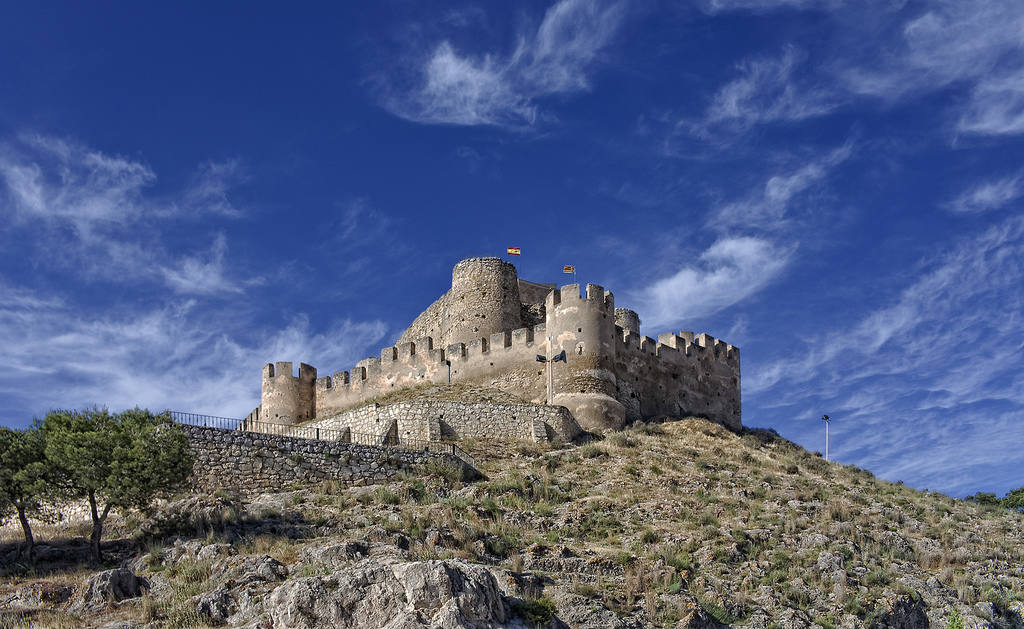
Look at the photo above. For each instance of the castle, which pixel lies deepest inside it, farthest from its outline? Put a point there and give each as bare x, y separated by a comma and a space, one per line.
490, 330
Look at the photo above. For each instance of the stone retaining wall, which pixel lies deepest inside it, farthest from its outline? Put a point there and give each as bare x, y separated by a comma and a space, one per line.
252, 462
433, 420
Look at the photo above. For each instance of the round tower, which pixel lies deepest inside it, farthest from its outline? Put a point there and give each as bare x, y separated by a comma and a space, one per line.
585, 328
286, 399
628, 320
484, 300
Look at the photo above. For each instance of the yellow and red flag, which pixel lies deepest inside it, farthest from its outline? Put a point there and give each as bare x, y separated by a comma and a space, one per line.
568, 268
514, 251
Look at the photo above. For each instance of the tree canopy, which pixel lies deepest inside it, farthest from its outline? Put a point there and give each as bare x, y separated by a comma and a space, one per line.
118, 461
24, 477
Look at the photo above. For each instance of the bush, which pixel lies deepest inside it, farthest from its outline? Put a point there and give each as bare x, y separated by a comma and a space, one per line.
537, 611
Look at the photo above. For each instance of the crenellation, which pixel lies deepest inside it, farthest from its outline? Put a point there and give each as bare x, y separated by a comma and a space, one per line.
406, 351
501, 340
455, 351
612, 372
522, 337
570, 294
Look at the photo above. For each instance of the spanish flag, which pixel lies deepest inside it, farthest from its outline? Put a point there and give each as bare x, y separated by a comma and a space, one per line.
568, 268
514, 251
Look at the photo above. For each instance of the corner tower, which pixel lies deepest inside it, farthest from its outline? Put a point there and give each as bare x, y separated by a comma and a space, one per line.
286, 399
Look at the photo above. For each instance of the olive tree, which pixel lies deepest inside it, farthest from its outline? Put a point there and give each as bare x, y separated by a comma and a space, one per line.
24, 477
121, 461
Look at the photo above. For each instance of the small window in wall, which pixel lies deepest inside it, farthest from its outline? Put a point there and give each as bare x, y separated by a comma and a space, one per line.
579, 329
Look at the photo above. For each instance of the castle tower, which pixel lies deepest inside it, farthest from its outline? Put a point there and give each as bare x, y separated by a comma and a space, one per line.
285, 398
628, 320
484, 300
585, 328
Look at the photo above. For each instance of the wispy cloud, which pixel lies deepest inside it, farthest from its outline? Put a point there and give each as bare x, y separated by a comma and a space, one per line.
730, 270
989, 195
766, 90
913, 369
176, 356
769, 206
977, 44
720, 6
503, 89
96, 211
208, 191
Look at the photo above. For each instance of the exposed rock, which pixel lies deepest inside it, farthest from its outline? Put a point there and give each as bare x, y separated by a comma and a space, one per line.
42, 594
901, 612
335, 555
218, 605
250, 568
449, 593
109, 586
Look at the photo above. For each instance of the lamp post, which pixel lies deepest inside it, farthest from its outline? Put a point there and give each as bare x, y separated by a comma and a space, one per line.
826, 419
560, 357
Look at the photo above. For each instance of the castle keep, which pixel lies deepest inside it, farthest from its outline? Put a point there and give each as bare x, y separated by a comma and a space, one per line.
488, 330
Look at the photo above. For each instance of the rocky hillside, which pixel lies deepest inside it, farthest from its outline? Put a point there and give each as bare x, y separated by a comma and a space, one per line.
681, 524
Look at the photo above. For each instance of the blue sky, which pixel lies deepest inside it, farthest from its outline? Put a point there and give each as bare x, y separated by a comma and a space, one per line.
189, 191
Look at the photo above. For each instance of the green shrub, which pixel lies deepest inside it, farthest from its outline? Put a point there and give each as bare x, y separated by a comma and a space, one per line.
537, 611
386, 496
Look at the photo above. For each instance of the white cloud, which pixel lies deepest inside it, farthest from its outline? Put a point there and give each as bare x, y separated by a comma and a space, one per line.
91, 214
907, 376
208, 192
54, 180
730, 270
989, 195
765, 91
977, 44
206, 275
718, 6
175, 356
497, 89
769, 207
996, 106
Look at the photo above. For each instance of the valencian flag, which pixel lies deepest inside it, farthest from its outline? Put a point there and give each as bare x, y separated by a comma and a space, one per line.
568, 268
514, 251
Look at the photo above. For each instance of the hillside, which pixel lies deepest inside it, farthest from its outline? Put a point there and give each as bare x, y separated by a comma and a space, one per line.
681, 524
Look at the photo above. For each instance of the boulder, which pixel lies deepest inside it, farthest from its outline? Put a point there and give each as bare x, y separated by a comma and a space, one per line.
250, 568
107, 587
449, 593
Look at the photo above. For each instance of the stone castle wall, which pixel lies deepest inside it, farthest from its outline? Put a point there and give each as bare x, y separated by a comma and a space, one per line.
433, 420
253, 463
612, 374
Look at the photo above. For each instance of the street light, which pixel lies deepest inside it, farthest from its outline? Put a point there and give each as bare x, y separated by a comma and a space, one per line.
826, 419
560, 357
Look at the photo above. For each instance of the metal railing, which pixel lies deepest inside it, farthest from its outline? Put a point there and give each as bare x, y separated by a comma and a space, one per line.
387, 440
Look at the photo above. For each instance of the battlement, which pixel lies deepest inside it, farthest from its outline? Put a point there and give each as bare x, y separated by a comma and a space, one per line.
474, 332
284, 369
569, 296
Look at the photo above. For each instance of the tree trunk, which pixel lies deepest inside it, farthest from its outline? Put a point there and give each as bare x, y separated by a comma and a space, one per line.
97, 528
30, 543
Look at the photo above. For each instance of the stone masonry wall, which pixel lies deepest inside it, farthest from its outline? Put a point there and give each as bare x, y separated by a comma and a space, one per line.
612, 373
253, 463
432, 420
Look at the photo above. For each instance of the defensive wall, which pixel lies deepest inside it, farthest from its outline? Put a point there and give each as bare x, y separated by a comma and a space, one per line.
253, 462
434, 420
612, 373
